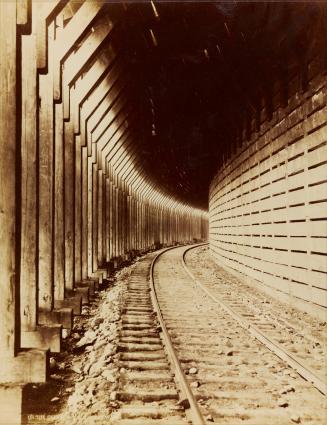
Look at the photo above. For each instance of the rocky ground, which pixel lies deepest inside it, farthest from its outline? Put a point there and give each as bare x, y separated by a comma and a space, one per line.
83, 379
203, 265
84, 376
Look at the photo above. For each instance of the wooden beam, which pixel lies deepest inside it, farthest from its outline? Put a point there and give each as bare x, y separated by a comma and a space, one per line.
100, 247
77, 60
69, 173
71, 33
78, 211
119, 144
84, 212
22, 10
59, 239
107, 219
119, 163
110, 136
45, 9
91, 160
99, 114
112, 113
84, 86
28, 293
45, 256
9, 329
90, 104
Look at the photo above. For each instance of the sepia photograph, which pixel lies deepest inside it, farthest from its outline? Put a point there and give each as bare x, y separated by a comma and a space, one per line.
163, 212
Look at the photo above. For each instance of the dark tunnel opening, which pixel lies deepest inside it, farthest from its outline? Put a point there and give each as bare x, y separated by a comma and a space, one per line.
163, 162
198, 73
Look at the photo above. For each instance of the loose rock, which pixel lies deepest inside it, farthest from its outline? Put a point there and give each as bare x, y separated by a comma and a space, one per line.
114, 404
61, 366
108, 375
56, 377
98, 321
65, 333
183, 403
192, 371
52, 363
89, 338
113, 396
195, 384
76, 369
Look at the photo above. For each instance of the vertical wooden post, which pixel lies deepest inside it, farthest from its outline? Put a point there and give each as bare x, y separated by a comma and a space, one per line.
104, 219
120, 207
107, 219
95, 217
84, 212
59, 241
116, 230
127, 220
137, 224
100, 205
78, 211
59, 160
69, 153
45, 255
9, 332
142, 223
127, 212
111, 218
28, 289
89, 215
122, 220
131, 221
117, 218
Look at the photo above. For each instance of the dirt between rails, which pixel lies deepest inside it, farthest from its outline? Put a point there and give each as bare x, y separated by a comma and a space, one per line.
203, 265
236, 379
83, 380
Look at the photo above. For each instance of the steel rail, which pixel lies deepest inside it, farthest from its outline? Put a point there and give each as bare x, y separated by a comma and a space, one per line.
195, 413
283, 354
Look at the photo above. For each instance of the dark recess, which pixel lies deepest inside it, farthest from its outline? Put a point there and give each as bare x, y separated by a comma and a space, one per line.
209, 70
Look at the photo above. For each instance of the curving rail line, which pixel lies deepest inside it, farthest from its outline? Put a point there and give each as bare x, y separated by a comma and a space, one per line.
178, 334
195, 414
294, 362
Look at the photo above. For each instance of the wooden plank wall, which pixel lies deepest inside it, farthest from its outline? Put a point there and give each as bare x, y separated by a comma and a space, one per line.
268, 203
74, 198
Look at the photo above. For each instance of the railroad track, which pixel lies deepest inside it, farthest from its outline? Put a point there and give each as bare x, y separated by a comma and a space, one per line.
185, 358
286, 337
147, 390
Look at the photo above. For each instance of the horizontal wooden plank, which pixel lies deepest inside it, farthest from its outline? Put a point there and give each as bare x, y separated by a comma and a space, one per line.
300, 147
296, 259
281, 277
308, 244
317, 156
270, 181
308, 228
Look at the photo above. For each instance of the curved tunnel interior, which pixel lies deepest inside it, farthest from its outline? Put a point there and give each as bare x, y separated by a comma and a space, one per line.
127, 127
194, 74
